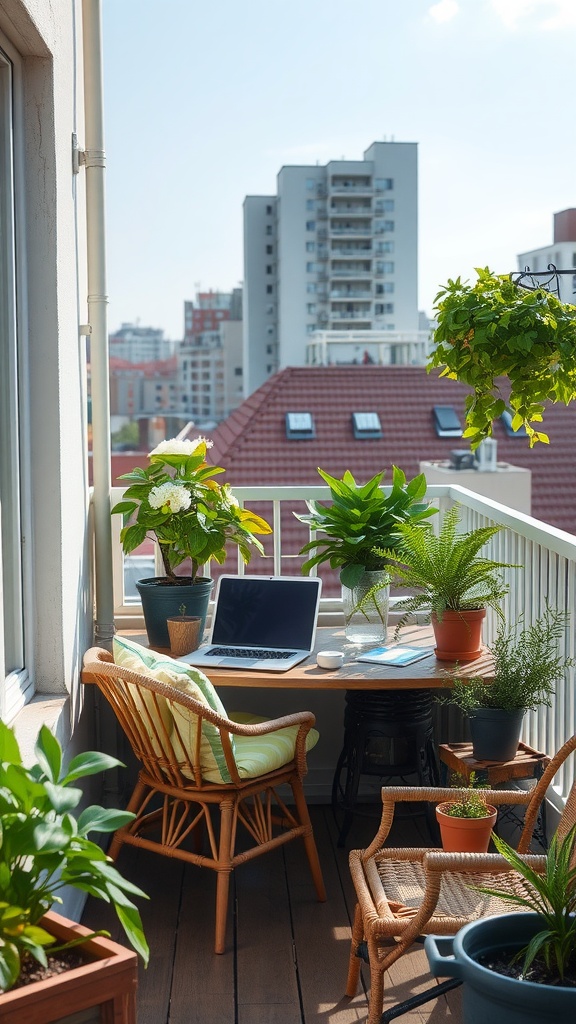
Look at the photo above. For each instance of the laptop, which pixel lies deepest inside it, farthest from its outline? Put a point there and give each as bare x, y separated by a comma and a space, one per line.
260, 623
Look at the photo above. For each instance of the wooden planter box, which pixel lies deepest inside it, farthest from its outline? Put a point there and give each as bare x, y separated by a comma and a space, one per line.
102, 991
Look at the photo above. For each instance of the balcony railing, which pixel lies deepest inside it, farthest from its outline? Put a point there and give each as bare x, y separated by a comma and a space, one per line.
547, 555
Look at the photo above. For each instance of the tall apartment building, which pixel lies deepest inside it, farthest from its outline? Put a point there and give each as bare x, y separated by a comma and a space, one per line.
336, 249
136, 344
561, 254
210, 357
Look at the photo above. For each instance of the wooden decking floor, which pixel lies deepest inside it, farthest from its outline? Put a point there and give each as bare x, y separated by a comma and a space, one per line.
287, 955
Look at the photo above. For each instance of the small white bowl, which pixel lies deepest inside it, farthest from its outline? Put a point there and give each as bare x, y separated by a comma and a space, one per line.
330, 659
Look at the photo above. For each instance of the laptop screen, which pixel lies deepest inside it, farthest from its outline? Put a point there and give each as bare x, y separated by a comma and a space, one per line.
266, 612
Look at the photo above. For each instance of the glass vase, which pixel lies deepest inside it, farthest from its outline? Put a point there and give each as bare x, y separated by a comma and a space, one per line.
366, 608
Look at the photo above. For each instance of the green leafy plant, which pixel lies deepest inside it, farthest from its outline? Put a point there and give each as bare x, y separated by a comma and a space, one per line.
495, 329
470, 802
182, 609
527, 664
360, 519
446, 568
44, 847
553, 897
177, 502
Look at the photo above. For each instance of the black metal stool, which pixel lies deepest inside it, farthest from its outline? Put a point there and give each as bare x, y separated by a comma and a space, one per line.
388, 734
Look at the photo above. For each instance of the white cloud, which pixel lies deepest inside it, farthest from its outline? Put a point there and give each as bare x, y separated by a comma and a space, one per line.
542, 14
444, 10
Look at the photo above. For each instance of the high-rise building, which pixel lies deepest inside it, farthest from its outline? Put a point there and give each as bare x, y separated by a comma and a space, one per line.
335, 250
135, 344
561, 254
210, 357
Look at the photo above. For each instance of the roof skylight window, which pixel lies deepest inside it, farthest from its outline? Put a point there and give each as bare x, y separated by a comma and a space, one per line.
366, 425
506, 418
446, 421
300, 426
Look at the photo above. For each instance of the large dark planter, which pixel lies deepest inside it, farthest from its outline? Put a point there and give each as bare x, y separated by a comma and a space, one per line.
495, 734
101, 989
160, 600
487, 996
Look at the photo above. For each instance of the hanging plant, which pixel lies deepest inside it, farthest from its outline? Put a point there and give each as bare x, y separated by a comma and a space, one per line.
495, 329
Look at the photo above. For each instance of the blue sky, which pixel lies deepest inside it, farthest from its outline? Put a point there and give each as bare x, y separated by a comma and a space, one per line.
204, 102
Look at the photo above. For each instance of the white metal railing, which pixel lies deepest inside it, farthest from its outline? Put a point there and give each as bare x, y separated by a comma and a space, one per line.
547, 557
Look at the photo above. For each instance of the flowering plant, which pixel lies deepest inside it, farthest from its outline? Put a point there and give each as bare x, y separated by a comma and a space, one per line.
190, 515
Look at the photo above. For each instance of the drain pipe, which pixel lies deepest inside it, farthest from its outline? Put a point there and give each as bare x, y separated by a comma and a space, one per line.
94, 161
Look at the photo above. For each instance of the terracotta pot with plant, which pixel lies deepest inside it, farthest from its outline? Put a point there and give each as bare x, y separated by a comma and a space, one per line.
45, 847
360, 519
466, 822
519, 968
527, 665
495, 330
454, 583
192, 518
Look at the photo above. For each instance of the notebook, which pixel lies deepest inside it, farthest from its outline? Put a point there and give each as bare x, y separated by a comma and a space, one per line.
261, 623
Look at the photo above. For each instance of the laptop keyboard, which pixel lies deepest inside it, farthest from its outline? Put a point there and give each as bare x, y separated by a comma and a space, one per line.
247, 652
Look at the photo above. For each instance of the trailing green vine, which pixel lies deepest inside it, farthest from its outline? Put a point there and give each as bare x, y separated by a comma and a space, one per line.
495, 329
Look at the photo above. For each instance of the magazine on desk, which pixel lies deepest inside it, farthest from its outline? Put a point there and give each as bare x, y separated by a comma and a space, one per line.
397, 656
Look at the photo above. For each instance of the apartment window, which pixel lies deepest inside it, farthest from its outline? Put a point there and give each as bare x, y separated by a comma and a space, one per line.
310, 307
269, 229
12, 571
310, 225
388, 205
237, 371
388, 225
384, 184
506, 418
269, 289
269, 250
270, 329
310, 246
310, 184
388, 286
310, 268
446, 421
366, 425
311, 287
388, 307
387, 246
268, 268
270, 310
388, 266
269, 350
300, 426
310, 204
268, 210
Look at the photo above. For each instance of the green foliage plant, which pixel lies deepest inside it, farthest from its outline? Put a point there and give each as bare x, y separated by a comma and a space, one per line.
361, 519
177, 502
495, 329
470, 802
552, 895
527, 665
446, 569
44, 847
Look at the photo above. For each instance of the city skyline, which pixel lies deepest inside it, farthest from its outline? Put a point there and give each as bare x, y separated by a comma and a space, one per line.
212, 102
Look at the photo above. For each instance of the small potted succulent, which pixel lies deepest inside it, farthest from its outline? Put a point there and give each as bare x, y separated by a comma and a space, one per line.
466, 822
43, 848
527, 665
192, 518
453, 582
493, 330
519, 968
360, 519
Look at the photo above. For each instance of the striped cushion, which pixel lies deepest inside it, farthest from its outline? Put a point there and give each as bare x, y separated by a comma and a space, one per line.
257, 755
189, 680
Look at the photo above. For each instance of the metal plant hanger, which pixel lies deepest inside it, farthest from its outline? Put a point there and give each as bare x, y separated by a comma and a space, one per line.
548, 279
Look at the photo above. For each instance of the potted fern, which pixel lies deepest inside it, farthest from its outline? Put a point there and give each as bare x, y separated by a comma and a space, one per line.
466, 821
452, 580
519, 968
495, 330
360, 518
527, 665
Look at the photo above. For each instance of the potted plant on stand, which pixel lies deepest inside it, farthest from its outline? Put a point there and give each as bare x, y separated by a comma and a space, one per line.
495, 329
360, 519
177, 501
454, 583
519, 968
527, 665
466, 822
44, 847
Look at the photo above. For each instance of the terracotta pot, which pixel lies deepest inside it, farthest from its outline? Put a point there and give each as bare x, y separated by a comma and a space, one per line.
184, 633
465, 835
103, 988
162, 600
459, 634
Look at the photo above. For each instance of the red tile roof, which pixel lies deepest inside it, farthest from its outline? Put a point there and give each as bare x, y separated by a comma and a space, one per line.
252, 445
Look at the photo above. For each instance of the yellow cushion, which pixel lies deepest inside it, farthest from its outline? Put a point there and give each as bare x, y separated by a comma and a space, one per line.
257, 755
188, 680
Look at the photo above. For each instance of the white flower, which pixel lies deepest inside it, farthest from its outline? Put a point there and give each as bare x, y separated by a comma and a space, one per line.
177, 447
176, 497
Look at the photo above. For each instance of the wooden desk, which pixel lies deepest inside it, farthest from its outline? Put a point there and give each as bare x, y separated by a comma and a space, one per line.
354, 675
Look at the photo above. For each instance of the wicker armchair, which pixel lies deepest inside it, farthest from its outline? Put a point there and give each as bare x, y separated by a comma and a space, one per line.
172, 800
404, 894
